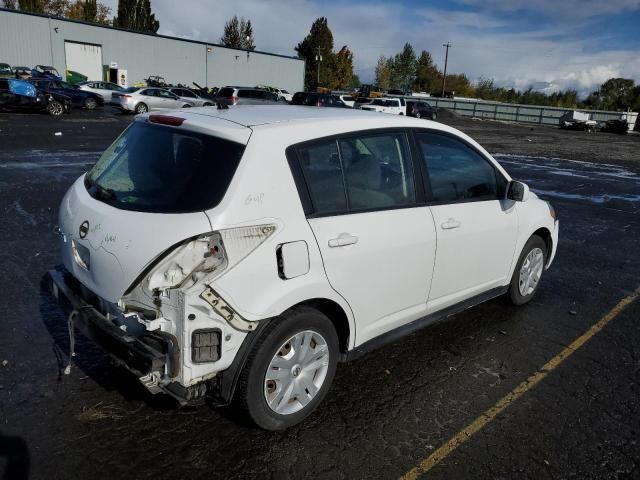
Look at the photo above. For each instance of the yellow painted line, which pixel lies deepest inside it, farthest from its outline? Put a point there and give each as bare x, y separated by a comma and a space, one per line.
474, 427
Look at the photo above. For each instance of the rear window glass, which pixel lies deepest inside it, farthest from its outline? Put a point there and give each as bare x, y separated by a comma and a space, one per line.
154, 168
225, 92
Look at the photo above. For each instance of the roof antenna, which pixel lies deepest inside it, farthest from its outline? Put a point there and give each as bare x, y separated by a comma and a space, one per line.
222, 106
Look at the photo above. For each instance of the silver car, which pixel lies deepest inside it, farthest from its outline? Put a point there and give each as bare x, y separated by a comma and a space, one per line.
189, 96
141, 100
104, 89
246, 96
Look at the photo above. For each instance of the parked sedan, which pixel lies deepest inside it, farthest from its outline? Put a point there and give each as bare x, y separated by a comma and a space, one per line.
324, 100
79, 98
141, 100
246, 96
19, 95
104, 89
189, 96
421, 110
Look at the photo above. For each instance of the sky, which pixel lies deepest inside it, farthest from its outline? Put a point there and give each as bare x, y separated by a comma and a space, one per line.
548, 44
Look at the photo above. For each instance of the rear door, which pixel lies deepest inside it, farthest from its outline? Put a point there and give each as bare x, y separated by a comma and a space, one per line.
476, 226
376, 238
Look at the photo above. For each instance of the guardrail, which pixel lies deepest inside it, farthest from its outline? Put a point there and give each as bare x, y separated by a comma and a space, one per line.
511, 112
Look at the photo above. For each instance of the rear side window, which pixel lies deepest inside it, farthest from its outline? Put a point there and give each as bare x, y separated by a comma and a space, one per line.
153, 168
321, 168
225, 92
457, 172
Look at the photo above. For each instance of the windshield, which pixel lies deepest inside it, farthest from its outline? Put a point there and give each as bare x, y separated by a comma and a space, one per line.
153, 168
130, 89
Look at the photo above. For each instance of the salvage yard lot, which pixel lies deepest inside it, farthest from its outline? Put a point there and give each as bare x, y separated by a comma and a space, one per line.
387, 411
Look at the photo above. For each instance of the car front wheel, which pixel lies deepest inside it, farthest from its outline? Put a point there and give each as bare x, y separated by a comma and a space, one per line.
290, 369
55, 108
528, 271
90, 103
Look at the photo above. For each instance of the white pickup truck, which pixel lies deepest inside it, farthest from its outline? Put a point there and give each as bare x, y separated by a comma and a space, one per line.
386, 105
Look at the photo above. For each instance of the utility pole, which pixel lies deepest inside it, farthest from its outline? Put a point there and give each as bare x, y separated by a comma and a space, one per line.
446, 60
318, 60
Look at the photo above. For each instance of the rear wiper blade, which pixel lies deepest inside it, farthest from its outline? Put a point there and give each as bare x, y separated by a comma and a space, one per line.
105, 194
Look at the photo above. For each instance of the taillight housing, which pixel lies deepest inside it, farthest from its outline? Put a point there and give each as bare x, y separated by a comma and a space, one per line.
125, 96
206, 256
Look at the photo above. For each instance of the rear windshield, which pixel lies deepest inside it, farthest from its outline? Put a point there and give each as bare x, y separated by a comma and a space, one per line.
225, 92
155, 168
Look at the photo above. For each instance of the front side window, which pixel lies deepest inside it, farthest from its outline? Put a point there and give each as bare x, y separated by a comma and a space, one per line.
457, 172
153, 168
358, 173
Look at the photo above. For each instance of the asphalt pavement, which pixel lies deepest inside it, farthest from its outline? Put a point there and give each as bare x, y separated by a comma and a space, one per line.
386, 412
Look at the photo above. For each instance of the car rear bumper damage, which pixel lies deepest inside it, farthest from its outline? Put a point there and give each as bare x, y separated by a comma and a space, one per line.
153, 356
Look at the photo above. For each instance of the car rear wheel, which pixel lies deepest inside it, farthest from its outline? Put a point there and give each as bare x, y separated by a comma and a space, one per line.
290, 369
207, 104
55, 108
141, 108
186, 105
528, 271
418, 115
90, 103
434, 116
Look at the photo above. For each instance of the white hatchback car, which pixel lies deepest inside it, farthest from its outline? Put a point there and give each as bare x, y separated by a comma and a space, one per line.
240, 254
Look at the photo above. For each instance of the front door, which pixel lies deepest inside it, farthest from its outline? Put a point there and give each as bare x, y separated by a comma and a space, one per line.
476, 226
377, 244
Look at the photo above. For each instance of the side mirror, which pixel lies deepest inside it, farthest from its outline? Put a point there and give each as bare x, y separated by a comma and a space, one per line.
517, 191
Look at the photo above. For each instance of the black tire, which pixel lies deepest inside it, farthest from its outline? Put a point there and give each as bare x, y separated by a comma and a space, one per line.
434, 116
186, 105
514, 295
141, 108
250, 394
55, 108
90, 103
207, 104
417, 115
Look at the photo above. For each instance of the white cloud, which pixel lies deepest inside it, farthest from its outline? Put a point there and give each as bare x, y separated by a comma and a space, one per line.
479, 49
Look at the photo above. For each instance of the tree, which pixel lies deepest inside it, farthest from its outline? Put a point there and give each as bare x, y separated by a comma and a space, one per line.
318, 41
136, 15
35, 6
340, 69
617, 93
427, 74
238, 33
383, 73
404, 68
9, 4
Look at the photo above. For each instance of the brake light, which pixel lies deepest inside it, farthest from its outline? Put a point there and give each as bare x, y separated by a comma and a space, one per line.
166, 120
125, 96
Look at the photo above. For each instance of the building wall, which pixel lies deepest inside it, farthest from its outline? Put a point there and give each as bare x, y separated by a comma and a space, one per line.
30, 40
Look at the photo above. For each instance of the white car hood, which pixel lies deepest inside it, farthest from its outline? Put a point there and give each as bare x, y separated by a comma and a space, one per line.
120, 243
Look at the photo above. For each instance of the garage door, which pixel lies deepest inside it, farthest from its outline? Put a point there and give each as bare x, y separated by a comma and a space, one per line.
84, 58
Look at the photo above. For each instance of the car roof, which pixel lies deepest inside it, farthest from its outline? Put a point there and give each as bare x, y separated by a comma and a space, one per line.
251, 116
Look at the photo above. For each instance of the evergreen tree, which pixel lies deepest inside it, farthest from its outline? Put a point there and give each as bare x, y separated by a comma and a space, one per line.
9, 4
136, 15
238, 33
35, 6
383, 73
90, 10
319, 40
340, 69
427, 74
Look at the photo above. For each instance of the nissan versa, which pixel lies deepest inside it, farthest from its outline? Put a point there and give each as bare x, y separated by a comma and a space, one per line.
239, 254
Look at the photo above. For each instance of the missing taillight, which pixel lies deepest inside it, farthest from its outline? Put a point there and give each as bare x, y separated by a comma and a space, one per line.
167, 120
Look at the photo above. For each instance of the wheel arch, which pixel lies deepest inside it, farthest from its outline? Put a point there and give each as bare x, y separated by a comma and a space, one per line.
545, 234
336, 314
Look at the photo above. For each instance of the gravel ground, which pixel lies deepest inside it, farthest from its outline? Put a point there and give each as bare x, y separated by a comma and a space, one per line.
386, 411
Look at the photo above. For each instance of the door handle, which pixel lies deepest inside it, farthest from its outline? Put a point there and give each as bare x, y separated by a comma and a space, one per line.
451, 223
342, 240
